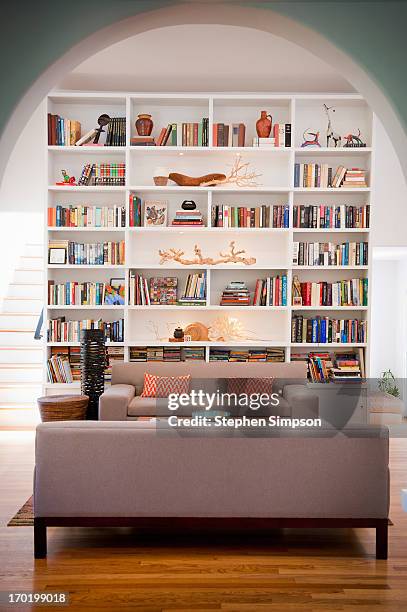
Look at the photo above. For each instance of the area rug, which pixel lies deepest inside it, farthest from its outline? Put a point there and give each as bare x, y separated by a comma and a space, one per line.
25, 516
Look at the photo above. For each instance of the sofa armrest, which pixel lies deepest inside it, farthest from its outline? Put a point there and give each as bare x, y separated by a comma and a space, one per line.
304, 403
114, 401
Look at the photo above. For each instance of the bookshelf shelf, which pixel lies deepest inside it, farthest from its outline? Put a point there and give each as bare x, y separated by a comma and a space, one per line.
272, 247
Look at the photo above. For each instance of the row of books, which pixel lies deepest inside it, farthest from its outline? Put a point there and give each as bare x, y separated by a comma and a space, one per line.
84, 294
95, 253
228, 135
331, 217
192, 134
64, 363
321, 175
63, 132
86, 216
163, 290
116, 132
60, 330
109, 174
271, 291
280, 136
188, 218
167, 354
327, 330
59, 369
260, 216
268, 354
349, 292
330, 254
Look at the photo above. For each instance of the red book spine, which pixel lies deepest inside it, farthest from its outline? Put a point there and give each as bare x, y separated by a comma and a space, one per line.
215, 135
195, 134
131, 211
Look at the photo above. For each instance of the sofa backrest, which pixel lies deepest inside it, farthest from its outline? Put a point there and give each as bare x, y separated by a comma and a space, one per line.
133, 373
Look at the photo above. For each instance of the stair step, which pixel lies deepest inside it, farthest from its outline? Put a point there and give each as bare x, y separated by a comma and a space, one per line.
12, 419
17, 405
22, 275
20, 366
27, 290
21, 376
18, 314
16, 305
15, 338
18, 393
16, 356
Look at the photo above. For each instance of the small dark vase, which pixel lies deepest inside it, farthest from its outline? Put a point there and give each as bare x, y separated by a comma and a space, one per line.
144, 125
188, 205
179, 333
263, 125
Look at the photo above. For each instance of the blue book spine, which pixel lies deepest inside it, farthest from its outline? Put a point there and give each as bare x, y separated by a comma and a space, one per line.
314, 337
284, 290
323, 330
286, 221
296, 175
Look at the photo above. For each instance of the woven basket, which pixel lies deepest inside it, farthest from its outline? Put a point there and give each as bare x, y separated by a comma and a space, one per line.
63, 407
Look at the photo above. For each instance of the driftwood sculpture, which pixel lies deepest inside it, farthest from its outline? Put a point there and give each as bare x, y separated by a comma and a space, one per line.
224, 258
239, 176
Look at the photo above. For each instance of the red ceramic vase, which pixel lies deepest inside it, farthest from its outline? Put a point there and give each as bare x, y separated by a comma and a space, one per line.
263, 125
144, 125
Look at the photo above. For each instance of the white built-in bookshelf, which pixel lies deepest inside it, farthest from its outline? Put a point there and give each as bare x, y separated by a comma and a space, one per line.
270, 326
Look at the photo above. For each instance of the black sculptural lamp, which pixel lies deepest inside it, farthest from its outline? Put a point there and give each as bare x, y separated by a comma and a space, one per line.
93, 362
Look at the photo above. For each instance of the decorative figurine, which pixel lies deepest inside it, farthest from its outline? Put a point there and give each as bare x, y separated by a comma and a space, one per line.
144, 125
68, 180
263, 125
330, 134
239, 176
296, 291
179, 333
314, 142
224, 258
103, 120
354, 141
188, 205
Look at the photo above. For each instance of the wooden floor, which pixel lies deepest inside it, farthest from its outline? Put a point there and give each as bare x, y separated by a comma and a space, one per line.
122, 570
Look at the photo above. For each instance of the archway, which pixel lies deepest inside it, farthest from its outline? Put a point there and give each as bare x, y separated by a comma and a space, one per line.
260, 19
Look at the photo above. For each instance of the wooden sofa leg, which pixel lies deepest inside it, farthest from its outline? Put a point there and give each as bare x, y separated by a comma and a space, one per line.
40, 539
382, 540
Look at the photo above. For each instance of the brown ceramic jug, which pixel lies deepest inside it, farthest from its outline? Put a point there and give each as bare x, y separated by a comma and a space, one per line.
263, 125
144, 125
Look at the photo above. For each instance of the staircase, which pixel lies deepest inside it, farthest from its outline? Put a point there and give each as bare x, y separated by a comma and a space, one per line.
21, 357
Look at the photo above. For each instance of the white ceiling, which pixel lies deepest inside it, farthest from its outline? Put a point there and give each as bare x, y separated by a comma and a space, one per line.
205, 58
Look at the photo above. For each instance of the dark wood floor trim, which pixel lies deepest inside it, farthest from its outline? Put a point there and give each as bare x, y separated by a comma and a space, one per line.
213, 523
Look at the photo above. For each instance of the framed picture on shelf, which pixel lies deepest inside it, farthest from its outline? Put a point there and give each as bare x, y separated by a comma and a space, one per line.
114, 296
116, 283
57, 255
155, 213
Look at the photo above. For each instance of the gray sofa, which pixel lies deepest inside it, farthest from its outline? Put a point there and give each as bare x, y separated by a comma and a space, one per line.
122, 400
135, 474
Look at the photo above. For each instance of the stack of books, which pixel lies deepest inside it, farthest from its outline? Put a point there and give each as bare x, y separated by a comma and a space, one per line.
229, 135
194, 293
218, 354
155, 353
271, 291
171, 354
280, 137
196, 353
257, 355
270, 355
86, 216
235, 294
108, 174
115, 355
185, 134
142, 141
138, 353
319, 367
355, 177
348, 367
188, 218
275, 355
63, 132
324, 330
238, 355
135, 211
349, 292
330, 254
327, 217
259, 216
